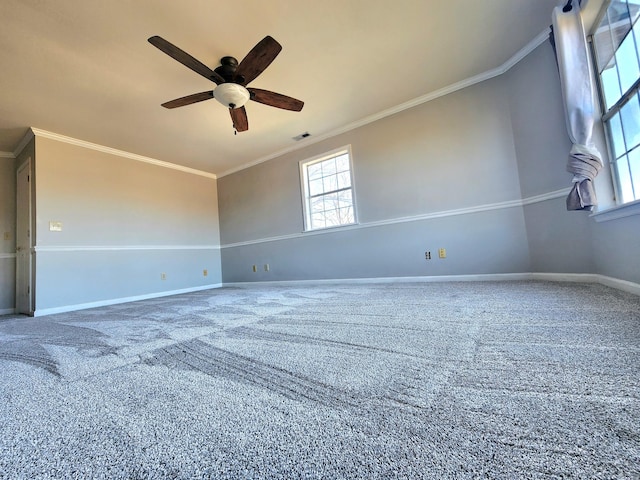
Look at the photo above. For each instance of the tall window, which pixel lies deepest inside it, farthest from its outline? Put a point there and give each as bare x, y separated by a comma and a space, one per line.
327, 185
617, 52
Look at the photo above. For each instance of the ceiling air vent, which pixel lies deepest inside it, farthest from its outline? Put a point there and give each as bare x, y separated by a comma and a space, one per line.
301, 136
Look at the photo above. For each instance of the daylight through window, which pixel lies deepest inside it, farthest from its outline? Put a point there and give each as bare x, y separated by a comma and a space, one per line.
616, 45
328, 190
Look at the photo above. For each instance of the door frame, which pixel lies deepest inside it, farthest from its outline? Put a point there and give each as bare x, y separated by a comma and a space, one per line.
24, 239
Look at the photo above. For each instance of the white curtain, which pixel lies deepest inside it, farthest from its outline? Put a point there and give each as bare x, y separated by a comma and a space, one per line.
574, 64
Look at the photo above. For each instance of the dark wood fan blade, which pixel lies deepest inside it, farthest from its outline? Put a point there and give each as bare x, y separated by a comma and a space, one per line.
188, 100
275, 99
240, 120
259, 58
185, 59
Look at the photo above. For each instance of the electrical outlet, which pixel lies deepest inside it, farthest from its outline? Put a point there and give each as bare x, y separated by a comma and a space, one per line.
163, 276
266, 267
442, 253
427, 255
205, 272
255, 268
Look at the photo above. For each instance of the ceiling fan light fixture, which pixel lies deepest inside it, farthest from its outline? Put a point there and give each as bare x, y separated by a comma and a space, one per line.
231, 95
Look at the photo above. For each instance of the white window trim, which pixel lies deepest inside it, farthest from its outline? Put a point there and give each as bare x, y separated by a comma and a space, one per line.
620, 209
303, 188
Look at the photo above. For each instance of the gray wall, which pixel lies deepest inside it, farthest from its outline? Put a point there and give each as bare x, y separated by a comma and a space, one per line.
559, 241
616, 246
538, 125
442, 174
479, 148
124, 223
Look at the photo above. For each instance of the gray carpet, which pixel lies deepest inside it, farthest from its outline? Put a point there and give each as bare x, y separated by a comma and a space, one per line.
454, 380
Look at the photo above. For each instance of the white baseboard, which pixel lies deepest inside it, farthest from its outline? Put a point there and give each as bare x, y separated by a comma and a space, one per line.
114, 301
489, 277
7, 311
624, 285
565, 277
618, 284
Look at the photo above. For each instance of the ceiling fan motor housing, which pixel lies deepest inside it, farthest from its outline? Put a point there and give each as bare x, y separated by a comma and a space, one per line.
227, 68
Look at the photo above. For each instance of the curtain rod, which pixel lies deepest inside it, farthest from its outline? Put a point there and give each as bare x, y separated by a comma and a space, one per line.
569, 5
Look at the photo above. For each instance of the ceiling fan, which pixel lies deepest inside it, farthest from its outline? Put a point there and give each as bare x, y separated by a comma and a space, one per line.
232, 79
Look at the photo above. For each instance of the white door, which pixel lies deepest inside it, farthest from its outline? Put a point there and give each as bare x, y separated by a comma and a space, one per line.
23, 240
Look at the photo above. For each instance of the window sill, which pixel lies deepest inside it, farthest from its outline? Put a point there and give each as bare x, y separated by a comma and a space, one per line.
331, 229
620, 211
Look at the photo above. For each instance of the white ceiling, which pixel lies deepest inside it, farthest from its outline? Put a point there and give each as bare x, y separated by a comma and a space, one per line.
84, 69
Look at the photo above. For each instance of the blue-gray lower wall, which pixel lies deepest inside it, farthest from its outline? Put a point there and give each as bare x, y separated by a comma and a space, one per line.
73, 278
559, 241
616, 247
485, 242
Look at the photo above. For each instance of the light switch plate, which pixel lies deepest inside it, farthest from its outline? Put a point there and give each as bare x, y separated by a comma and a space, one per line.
55, 226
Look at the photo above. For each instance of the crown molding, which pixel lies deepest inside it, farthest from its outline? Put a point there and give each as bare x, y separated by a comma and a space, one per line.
502, 69
523, 52
119, 153
23, 143
111, 151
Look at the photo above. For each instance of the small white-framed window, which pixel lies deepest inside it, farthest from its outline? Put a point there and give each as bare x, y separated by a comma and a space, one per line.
616, 45
327, 188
